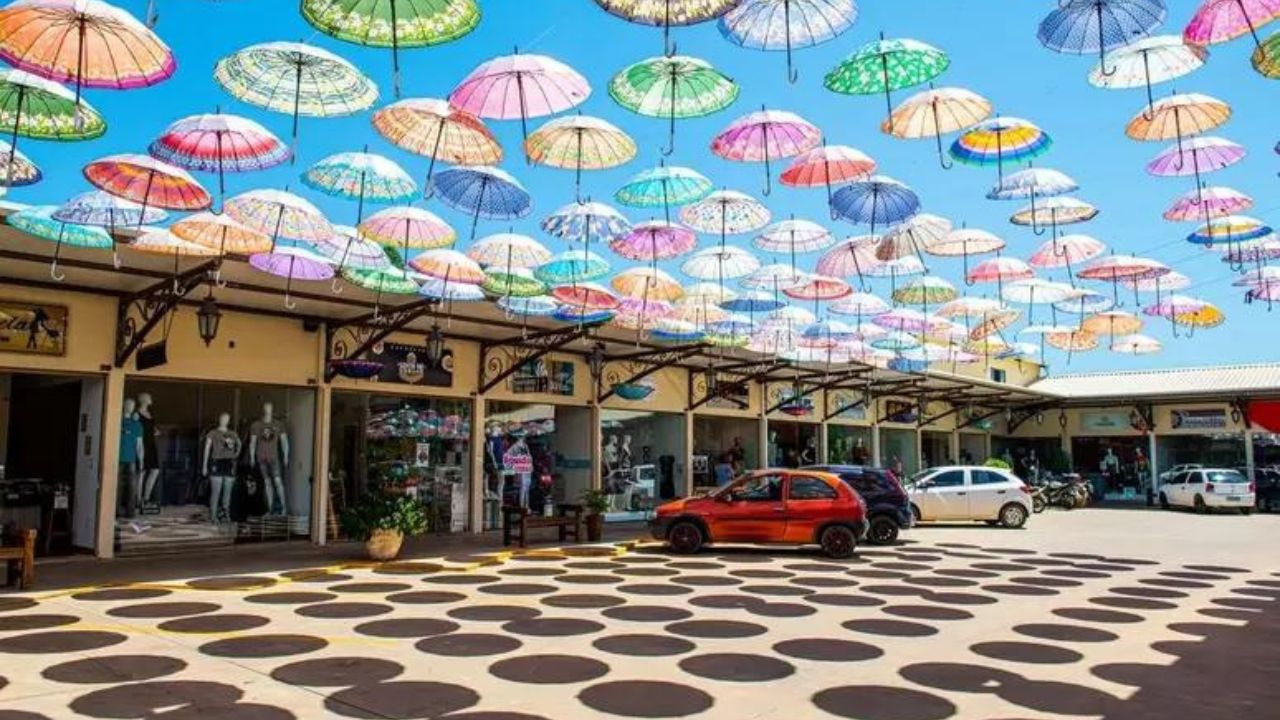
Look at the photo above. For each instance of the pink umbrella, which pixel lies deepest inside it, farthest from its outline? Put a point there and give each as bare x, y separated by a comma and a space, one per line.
147, 181
902, 320
293, 263
854, 256
407, 228
827, 166
1208, 203
586, 296
818, 288
219, 143
1194, 157
520, 86
654, 240
1123, 267
764, 135
1066, 251
1217, 21
999, 270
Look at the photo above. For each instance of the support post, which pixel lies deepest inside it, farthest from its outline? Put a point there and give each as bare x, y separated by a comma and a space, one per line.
875, 446
1153, 467
479, 483
687, 488
320, 465
1248, 454
109, 483
762, 426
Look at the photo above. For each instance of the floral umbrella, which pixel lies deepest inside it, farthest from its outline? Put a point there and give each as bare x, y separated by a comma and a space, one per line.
1033, 183
765, 135
33, 107
163, 242
667, 14
1219, 21
853, 256
347, 249
148, 182
219, 143
935, 112
581, 221
1207, 203
883, 66
393, 23
572, 266
880, 199
827, 166
818, 288
925, 290
483, 191
293, 263
1195, 157
279, 214
964, 242
792, 237
1112, 323
578, 143
894, 269
1266, 57
1168, 282
993, 323
1135, 345
912, 236
999, 270
222, 234
432, 128
641, 315
1178, 116
663, 187
1122, 267
726, 212
393, 281
103, 209
520, 86
720, 263
672, 87
1066, 251
38, 221
1052, 213
407, 228
650, 283
1081, 27
654, 241
786, 24
361, 176
18, 170
1073, 342
1149, 61
297, 79
507, 281
992, 142
509, 250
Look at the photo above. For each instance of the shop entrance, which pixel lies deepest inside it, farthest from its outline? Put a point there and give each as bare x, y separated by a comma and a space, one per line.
935, 449
973, 448
898, 452
792, 444
534, 455
723, 448
641, 458
1214, 450
1029, 458
1117, 466
848, 445
50, 427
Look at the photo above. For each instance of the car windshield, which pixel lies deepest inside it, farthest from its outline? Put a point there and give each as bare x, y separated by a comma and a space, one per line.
915, 479
1224, 476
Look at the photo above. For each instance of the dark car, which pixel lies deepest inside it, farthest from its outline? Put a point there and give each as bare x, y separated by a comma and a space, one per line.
888, 508
1267, 481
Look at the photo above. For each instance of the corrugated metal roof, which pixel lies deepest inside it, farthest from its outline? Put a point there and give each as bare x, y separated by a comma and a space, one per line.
1217, 380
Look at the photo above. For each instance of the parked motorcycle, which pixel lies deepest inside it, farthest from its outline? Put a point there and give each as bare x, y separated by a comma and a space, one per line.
1039, 500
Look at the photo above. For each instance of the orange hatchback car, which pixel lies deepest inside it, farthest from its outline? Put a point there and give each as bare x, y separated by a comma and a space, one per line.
793, 507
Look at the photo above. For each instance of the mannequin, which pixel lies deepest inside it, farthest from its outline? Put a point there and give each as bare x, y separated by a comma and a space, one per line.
517, 458
221, 449
624, 455
151, 460
132, 455
269, 451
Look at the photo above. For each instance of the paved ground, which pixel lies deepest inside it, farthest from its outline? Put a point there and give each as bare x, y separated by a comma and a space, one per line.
1097, 613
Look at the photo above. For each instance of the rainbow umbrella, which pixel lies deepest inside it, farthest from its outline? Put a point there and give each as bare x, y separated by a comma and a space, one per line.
925, 290
148, 182
999, 270
1081, 27
578, 143
520, 86
1195, 157
1052, 213
392, 281
992, 142
432, 128
766, 135
487, 192
37, 108
1033, 183
672, 87
667, 14
279, 214
1266, 57
292, 263
18, 169
663, 187
654, 241
1229, 229
786, 24
38, 221
219, 143
720, 263
853, 256
509, 250
507, 281
1066, 251
794, 236
580, 221
827, 166
1207, 203
1150, 61
103, 209
297, 79
752, 302
361, 176
883, 66
407, 228
1135, 345
1178, 116
572, 266
912, 236
1219, 21
964, 242
880, 199
726, 212
935, 112
347, 249
393, 23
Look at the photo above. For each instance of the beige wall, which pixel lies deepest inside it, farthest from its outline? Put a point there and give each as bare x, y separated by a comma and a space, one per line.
91, 322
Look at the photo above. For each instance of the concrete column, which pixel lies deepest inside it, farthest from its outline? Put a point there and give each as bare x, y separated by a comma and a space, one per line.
954, 446
687, 489
875, 445
1154, 468
1248, 453
320, 465
762, 428
822, 444
596, 481
479, 483
109, 483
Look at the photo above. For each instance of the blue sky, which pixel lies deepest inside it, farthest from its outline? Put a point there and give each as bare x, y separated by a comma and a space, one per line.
994, 52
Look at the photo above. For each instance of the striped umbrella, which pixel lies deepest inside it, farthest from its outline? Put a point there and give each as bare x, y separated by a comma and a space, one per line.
853, 256
883, 66
487, 192
39, 221
1000, 139
33, 107
880, 199
925, 290
509, 250
520, 86
219, 143
407, 228
578, 143
936, 112
1116, 268
912, 236
786, 24
1052, 213
363, 177
999, 270
827, 166
508, 281
148, 182
222, 234
672, 87
766, 135
433, 128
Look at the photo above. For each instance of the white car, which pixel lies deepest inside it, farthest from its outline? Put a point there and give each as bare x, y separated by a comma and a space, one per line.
1184, 467
970, 493
1209, 489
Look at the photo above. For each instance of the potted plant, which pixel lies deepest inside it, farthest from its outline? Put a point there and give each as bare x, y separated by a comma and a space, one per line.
595, 502
382, 520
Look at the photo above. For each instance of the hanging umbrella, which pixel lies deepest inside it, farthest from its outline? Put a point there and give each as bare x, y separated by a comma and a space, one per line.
720, 263
1148, 62
407, 228
789, 317
509, 250
536, 306
881, 199
859, 305
1135, 345
586, 296
1033, 291
393, 23
786, 24
774, 278
663, 187
279, 214
510, 281
650, 283
1196, 157
1052, 213
827, 166
572, 266
752, 302
520, 86
903, 320
1262, 250
969, 307
86, 42
578, 143
673, 330
392, 281
1168, 282
1044, 331
103, 209
883, 66
854, 256
219, 143
936, 112
925, 290
726, 212
704, 293
582, 221
363, 177
912, 236
793, 237
1066, 251
671, 88
163, 242
1207, 203
994, 322
964, 242
347, 249
900, 268
654, 241
818, 288
1174, 307
1112, 323
33, 107
733, 331
1178, 116
1229, 229
450, 292
18, 170
432, 128
999, 270
1266, 57
1081, 27
484, 192
222, 234
293, 263
1116, 268
667, 14
296, 79
641, 315
1073, 342
38, 221
1219, 21
1086, 302
580, 316
698, 312
766, 135
148, 182
448, 265
1033, 183
1000, 139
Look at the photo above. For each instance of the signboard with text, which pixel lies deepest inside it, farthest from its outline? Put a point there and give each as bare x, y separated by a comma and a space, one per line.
408, 364
32, 328
1199, 419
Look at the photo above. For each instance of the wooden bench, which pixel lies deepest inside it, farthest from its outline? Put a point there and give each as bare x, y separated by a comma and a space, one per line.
19, 548
518, 521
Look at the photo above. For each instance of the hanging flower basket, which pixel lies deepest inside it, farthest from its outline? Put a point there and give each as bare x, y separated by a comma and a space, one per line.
356, 369
798, 407
633, 392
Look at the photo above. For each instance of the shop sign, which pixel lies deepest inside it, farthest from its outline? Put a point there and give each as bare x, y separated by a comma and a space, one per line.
1200, 419
1105, 422
551, 377
517, 459
407, 364
33, 329
851, 406
899, 411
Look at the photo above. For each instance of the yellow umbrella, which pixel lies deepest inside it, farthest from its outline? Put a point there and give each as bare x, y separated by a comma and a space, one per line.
579, 142
647, 283
994, 323
1205, 316
1076, 341
935, 112
1112, 322
1178, 116
221, 234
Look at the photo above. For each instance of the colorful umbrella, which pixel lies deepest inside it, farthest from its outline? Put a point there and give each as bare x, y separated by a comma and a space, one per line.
935, 112
450, 292
720, 263
1033, 183
1052, 213
39, 221
674, 87
674, 330
219, 143
792, 237
880, 199
434, 129
964, 242
1195, 157
883, 66
293, 263
1087, 302
506, 281
860, 305
1266, 57
993, 323
663, 187
1073, 342
647, 283
992, 142
279, 214
1168, 282
393, 281
347, 249
786, 24
536, 306
103, 209
764, 135
509, 250
1116, 268
578, 143
733, 331
1178, 116
999, 270
483, 191
18, 169
752, 302
699, 293
1112, 323
1257, 251
1033, 291
640, 314
88, 42
1081, 27
581, 316
773, 277
448, 265
894, 269
520, 86
667, 14
148, 182
1207, 203
297, 79
790, 317
361, 176
726, 212
827, 166
1066, 251
818, 288
36, 108
407, 228
912, 236
654, 241
853, 256
969, 307
222, 234
581, 221
1218, 21
163, 242
1135, 345
1229, 229
1150, 61
586, 296
572, 266
393, 23
925, 290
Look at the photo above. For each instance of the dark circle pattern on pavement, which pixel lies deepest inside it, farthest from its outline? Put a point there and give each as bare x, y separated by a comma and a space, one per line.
339, 610
290, 598
461, 579
823, 582
532, 572
223, 623
1149, 592
142, 700
426, 597
753, 574
695, 565
116, 594
468, 644
654, 589
959, 598
408, 567
582, 601
401, 699
549, 669
726, 602
1050, 582
163, 609
882, 702
1025, 652
926, 612
337, 671
370, 587
114, 669
1132, 603
314, 576
644, 645
776, 590
1065, 633
406, 627
12, 623
707, 580
844, 600
712, 629
890, 628
647, 613
264, 646
1031, 590
827, 650
645, 699
595, 565
1096, 615
646, 572
553, 627
59, 641
9, 604
494, 613
737, 667
231, 582
782, 609
518, 589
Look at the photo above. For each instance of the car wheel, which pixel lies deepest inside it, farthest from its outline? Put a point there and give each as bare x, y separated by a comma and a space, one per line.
882, 531
915, 514
838, 542
1200, 506
1013, 516
685, 538
1164, 501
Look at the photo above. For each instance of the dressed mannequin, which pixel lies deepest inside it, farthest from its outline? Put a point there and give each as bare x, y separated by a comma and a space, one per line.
132, 455
624, 454
517, 458
221, 449
269, 451
151, 459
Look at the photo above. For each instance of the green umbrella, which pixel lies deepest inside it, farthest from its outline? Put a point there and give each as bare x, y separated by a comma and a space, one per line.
673, 87
391, 282
884, 66
393, 23
512, 282
33, 107
37, 221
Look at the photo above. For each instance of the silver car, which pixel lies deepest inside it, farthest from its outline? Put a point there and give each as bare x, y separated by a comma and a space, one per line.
954, 492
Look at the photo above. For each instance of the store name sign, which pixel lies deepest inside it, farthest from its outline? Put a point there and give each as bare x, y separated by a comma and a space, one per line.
1105, 421
552, 377
1203, 419
408, 364
33, 329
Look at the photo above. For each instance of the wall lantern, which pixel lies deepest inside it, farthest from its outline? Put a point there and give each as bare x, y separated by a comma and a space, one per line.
208, 318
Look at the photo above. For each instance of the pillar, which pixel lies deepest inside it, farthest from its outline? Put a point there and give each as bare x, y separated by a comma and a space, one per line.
596, 481
109, 483
479, 483
822, 444
1152, 465
954, 447
687, 489
762, 428
1248, 453
875, 445
320, 465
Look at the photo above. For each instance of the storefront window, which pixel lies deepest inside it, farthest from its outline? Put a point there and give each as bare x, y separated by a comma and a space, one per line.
209, 464
1117, 466
407, 445
973, 449
792, 444
642, 457
848, 445
723, 448
898, 451
935, 449
535, 455
1217, 450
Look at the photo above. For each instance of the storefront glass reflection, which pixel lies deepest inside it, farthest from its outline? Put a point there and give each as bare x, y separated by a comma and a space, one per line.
641, 460
792, 444
848, 445
723, 448
535, 455
898, 451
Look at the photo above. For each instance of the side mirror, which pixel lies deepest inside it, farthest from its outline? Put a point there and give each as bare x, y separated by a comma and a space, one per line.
924, 484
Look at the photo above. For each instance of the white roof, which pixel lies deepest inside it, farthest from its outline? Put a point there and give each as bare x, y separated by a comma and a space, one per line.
1254, 379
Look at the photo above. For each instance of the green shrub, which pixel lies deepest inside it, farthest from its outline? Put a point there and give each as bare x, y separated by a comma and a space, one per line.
995, 462
383, 511
595, 501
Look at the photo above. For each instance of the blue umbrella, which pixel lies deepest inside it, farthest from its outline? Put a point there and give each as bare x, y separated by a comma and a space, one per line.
786, 24
753, 301
677, 331
485, 192
38, 222
103, 209
732, 326
663, 187
1080, 27
582, 221
572, 266
536, 306
582, 316
880, 199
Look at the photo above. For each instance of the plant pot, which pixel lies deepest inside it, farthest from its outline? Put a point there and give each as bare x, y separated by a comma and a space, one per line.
595, 527
384, 544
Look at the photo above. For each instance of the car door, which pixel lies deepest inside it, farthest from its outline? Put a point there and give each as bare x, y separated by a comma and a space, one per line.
944, 496
810, 501
988, 492
753, 510
1193, 485
1173, 487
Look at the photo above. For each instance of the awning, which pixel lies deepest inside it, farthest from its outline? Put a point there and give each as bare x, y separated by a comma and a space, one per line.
1265, 414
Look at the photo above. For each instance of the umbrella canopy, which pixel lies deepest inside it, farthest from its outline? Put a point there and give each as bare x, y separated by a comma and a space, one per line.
1081, 27
880, 199
827, 166
720, 263
663, 187
1085, 303
392, 281
484, 192
726, 212
39, 221
882, 66
1123, 267
407, 228
969, 307
993, 323
911, 237
572, 266
1195, 157
1219, 21
536, 306
219, 143
964, 242
449, 265
850, 257
363, 177
586, 296
1033, 291
17, 169
147, 181
1229, 229
640, 314
520, 86
789, 317
347, 249
1112, 323
1173, 305
1208, 202
293, 263
667, 14
1264, 249
753, 301
699, 293
162, 242
786, 24
433, 128
925, 290
902, 267
581, 316
1000, 270
1135, 345
1033, 183
1076, 341
859, 304
1168, 282
766, 135
583, 221
509, 250
818, 287
935, 112
579, 142
221, 233
792, 237
279, 214
1266, 57
103, 209
653, 241
1149, 61
449, 291
44, 110
647, 283
671, 88
1066, 251
1054, 212
1000, 140
1178, 116
774, 277
506, 281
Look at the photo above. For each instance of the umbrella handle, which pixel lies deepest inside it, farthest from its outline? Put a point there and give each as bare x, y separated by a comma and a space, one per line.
670, 147
336, 285
1149, 113
1102, 49
942, 156
53, 272
792, 74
